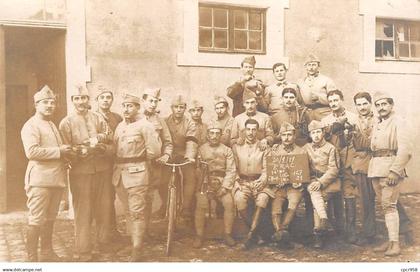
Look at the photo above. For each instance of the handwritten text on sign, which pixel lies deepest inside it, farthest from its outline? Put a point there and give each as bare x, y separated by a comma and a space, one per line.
287, 169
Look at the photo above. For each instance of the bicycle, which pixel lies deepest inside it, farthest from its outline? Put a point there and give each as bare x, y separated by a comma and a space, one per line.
173, 206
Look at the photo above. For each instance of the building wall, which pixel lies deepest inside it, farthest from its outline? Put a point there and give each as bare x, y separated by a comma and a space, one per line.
134, 44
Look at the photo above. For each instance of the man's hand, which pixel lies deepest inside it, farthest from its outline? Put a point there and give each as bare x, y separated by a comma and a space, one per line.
99, 148
315, 186
314, 97
163, 159
189, 160
259, 185
263, 145
65, 150
240, 140
393, 179
222, 192
246, 78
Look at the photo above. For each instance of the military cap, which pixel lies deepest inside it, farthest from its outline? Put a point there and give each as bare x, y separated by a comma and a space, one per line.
153, 92
101, 90
250, 60
312, 58
214, 125
220, 99
178, 100
196, 104
128, 98
315, 124
80, 90
380, 95
44, 93
248, 94
285, 126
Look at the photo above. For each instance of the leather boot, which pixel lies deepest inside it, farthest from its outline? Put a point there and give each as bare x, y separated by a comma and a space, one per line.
383, 247
245, 217
32, 236
393, 249
228, 219
251, 237
137, 236
318, 241
276, 219
47, 251
350, 207
286, 222
229, 241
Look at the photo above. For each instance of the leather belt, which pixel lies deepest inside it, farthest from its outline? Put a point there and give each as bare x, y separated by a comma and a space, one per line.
250, 177
217, 173
384, 153
130, 160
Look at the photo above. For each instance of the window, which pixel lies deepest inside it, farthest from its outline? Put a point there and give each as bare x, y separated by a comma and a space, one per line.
397, 39
231, 29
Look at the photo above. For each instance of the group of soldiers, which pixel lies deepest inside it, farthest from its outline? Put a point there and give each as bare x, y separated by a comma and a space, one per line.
101, 154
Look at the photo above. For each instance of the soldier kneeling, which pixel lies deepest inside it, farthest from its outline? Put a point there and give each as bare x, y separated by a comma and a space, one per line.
216, 184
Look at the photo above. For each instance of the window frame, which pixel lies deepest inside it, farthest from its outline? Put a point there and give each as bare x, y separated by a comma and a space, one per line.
396, 23
231, 29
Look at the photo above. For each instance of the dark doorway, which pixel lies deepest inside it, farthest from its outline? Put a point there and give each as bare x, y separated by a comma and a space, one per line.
34, 57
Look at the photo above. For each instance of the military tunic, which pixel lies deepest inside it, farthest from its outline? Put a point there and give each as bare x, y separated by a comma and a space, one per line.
46, 173
265, 130
226, 124
273, 96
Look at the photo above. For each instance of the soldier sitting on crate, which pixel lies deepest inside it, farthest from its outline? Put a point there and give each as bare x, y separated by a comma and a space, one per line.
216, 184
252, 180
284, 189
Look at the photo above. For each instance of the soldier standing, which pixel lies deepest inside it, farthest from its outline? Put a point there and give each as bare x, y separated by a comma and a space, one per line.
251, 164
324, 162
224, 119
273, 94
265, 133
246, 82
184, 139
314, 89
137, 143
391, 150
45, 176
90, 136
285, 191
196, 111
150, 99
105, 98
221, 178
340, 125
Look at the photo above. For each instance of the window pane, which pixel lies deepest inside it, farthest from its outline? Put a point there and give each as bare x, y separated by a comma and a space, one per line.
220, 17
205, 38
255, 40
378, 48
415, 50
384, 30
403, 49
205, 16
240, 19
241, 39
388, 47
415, 32
255, 21
220, 39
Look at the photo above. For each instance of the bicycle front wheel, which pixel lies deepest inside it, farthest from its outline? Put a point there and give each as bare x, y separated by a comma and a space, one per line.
171, 219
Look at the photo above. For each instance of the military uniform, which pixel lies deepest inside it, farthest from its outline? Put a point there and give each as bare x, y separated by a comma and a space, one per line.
318, 85
45, 178
89, 176
292, 193
225, 123
273, 96
221, 175
297, 116
184, 139
136, 144
391, 151
236, 90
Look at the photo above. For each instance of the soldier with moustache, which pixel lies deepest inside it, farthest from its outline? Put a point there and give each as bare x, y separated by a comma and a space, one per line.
46, 176
137, 144
246, 82
221, 179
224, 119
90, 136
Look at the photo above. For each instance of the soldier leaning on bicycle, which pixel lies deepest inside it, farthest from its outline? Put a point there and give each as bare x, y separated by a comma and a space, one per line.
227, 163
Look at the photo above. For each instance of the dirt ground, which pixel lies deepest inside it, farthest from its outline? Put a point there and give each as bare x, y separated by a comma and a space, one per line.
12, 246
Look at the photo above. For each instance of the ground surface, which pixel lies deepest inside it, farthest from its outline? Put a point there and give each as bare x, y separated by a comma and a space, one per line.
12, 247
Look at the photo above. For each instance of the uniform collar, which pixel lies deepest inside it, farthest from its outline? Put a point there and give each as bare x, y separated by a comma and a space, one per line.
340, 113
281, 83
251, 114
319, 145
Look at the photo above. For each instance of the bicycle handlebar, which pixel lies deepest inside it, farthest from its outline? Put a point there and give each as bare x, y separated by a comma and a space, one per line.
178, 164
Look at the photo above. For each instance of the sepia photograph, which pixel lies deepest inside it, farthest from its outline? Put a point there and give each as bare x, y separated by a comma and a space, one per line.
209, 135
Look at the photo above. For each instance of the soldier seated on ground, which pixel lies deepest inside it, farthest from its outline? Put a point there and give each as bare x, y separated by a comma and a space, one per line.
323, 162
284, 190
251, 182
216, 184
